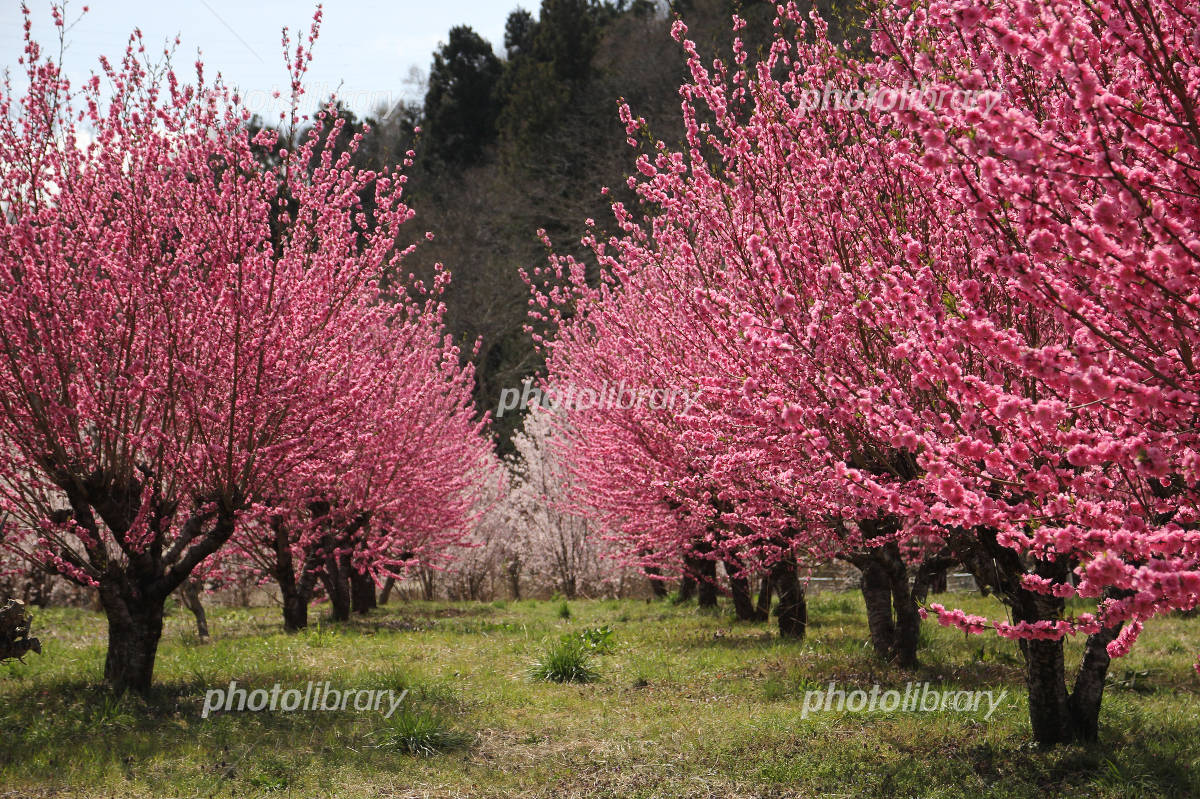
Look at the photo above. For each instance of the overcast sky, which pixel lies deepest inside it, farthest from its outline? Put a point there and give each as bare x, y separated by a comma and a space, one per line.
368, 47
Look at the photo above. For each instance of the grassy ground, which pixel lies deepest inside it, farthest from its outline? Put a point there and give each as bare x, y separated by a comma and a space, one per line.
689, 704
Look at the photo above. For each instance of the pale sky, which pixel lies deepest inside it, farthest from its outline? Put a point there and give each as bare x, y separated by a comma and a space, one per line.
367, 46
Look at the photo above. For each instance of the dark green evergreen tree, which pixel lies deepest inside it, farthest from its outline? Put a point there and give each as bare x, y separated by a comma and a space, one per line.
461, 103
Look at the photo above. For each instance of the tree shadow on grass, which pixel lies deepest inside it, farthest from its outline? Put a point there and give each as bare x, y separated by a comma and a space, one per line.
912, 755
1128, 761
83, 734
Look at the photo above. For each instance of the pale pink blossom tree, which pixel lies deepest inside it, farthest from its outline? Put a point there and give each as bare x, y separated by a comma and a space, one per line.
561, 549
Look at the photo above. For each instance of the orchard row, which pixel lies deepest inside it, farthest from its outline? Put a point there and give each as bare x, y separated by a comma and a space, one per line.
913, 336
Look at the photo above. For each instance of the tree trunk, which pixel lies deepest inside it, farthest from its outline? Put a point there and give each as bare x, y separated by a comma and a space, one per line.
189, 596
339, 599
133, 594
764, 597
1088, 691
135, 624
513, 570
1049, 714
704, 572
904, 604
336, 579
295, 611
296, 594
362, 592
658, 587
877, 596
1056, 716
739, 589
687, 588
428, 584
793, 608
706, 585
386, 593
892, 612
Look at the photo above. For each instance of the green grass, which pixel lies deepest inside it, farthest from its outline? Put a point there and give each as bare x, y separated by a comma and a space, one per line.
420, 732
564, 661
690, 704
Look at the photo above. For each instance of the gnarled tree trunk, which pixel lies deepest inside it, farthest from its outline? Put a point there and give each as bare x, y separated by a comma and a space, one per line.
793, 607
513, 571
14, 631
704, 571
764, 597
1056, 715
296, 593
362, 592
739, 590
687, 588
891, 598
189, 597
135, 622
336, 579
386, 593
133, 594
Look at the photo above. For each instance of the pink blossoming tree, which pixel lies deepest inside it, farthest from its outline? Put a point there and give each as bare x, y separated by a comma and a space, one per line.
178, 348
963, 329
